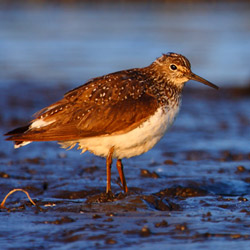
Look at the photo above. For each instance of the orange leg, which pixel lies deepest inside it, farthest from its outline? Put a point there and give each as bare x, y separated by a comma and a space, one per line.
121, 174
108, 166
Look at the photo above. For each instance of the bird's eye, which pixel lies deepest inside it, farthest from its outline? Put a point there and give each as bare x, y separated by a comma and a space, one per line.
173, 67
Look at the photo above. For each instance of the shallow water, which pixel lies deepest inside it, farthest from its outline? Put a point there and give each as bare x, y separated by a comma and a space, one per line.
49, 43
191, 191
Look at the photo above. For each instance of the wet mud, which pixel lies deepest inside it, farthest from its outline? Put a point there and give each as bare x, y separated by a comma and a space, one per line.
191, 191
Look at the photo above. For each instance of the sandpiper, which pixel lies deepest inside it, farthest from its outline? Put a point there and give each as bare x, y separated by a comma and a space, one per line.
119, 115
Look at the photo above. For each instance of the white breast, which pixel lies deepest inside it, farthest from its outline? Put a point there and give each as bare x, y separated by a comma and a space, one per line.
134, 142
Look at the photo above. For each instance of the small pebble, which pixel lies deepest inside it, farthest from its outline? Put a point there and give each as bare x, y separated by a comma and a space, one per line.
242, 199
240, 169
169, 162
181, 227
148, 174
110, 241
161, 224
145, 232
96, 216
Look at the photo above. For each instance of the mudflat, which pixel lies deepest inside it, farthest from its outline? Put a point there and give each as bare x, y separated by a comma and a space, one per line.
191, 190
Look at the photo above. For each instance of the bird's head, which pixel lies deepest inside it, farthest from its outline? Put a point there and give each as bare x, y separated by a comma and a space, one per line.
177, 70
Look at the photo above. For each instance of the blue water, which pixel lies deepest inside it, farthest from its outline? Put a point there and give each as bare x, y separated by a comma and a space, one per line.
51, 44
68, 44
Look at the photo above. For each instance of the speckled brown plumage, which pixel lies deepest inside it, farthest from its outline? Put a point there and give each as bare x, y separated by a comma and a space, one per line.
114, 103
118, 115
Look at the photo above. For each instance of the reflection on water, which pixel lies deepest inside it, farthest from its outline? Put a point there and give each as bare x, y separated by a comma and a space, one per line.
73, 43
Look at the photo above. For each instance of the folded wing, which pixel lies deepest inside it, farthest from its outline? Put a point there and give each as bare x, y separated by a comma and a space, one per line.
107, 105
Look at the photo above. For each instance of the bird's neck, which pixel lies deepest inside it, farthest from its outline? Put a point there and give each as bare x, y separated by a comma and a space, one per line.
162, 88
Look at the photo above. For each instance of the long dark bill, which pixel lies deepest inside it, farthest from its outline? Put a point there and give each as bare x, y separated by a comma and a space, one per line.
202, 80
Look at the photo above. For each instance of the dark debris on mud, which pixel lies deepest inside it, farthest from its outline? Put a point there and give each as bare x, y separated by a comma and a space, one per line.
192, 189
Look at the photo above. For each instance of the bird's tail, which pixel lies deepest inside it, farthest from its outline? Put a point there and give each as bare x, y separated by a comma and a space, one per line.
16, 136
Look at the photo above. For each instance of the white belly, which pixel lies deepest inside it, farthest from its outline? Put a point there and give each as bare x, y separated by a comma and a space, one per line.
132, 143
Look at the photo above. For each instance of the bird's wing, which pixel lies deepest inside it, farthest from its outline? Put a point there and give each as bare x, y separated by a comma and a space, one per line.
107, 105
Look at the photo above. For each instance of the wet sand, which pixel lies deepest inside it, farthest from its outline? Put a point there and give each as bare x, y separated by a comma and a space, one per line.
191, 191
